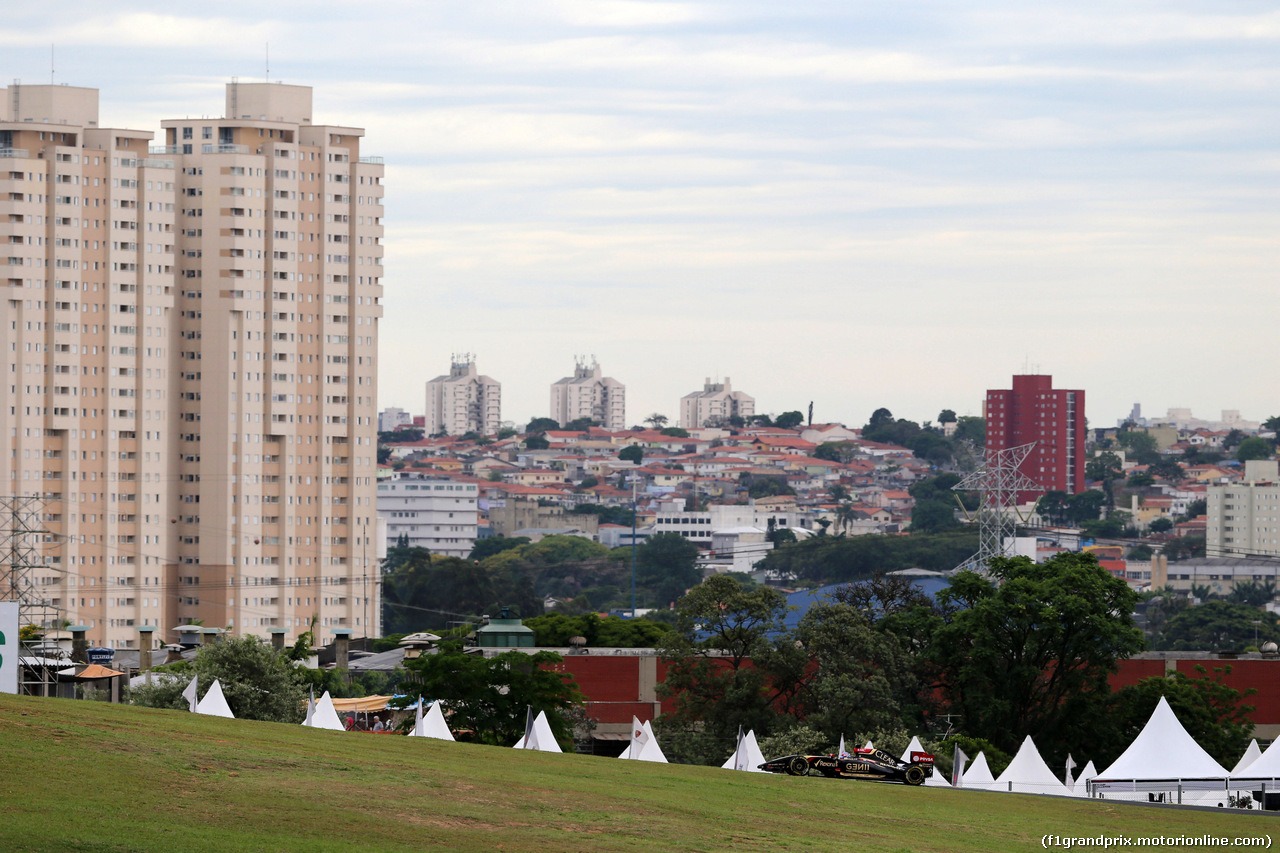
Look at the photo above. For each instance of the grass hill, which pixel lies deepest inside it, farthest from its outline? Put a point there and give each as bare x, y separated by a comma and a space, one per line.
89, 776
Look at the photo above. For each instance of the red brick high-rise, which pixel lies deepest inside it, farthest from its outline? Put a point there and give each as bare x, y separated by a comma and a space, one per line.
1034, 411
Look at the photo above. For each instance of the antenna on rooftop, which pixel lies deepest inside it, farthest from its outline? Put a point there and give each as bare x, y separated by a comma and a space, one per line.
267, 77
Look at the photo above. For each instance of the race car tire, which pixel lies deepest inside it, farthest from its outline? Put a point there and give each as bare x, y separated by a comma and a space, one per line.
798, 766
914, 775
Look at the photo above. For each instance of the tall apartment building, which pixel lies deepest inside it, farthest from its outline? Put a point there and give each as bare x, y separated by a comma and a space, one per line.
1243, 519
589, 394
463, 401
192, 331
87, 217
1034, 411
430, 511
714, 404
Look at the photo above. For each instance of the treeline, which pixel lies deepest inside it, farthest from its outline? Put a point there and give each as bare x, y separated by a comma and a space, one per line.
842, 559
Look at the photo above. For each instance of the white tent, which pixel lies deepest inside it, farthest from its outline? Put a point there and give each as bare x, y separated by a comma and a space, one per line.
648, 743
978, 775
1028, 774
1251, 755
1163, 757
540, 737
747, 756
433, 724
214, 703
1081, 787
189, 693
934, 781
324, 716
868, 745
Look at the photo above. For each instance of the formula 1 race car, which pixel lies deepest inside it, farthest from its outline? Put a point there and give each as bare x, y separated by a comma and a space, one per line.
874, 764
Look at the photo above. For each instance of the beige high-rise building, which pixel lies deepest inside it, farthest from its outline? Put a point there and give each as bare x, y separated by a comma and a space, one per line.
463, 401
714, 405
589, 394
192, 332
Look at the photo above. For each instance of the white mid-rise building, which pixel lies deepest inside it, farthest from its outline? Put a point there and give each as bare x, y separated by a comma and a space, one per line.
430, 511
1243, 519
714, 405
463, 401
589, 394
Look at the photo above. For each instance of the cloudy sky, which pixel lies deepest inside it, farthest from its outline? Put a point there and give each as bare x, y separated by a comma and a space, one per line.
858, 204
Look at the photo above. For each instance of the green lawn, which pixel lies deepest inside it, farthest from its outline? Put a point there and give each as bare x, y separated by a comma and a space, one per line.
87, 776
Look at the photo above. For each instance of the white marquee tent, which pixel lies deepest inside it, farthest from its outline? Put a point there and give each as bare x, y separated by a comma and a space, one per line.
324, 716
432, 724
540, 737
1163, 757
978, 776
1251, 755
214, 704
747, 756
647, 742
1028, 774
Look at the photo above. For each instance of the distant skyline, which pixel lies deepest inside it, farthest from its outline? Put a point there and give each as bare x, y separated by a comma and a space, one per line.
857, 204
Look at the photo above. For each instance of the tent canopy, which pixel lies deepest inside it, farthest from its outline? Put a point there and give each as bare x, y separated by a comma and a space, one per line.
361, 704
1164, 750
1028, 774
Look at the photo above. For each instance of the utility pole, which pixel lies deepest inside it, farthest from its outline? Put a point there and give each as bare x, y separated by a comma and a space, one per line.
633, 545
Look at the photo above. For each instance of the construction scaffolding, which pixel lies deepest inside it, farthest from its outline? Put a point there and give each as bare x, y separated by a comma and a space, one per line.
22, 535
998, 482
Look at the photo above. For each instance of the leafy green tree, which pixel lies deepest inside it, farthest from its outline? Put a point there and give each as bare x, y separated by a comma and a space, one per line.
718, 677
555, 629
856, 676
767, 486
788, 420
836, 451
971, 429
675, 432
1141, 446
947, 416
1217, 625
506, 432
1253, 593
606, 513
537, 441
1167, 468
1233, 439
632, 453
656, 420
840, 559
495, 545
1253, 448
489, 696
1053, 506
541, 425
667, 565
1106, 468
1139, 552
1185, 548
424, 592
1211, 712
1160, 525
1138, 479
258, 682
1085, 506
933, 516
581, 424
1028, 650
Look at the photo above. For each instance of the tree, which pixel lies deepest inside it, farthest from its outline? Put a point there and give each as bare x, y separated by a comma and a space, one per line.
972, 429
494, 545
933, 516
768, 486
1217, 625
656, 420
1141, 446
1105, 467
1253, 448
856, 676
1028, 651
836, 451
1167, 468
536, 442
631, 453
542, 425
421, 592
1085, 506
1160, 525
581, 424
1053, 506
721, 630
667, 565
556, 629
490, 696
947, 416
788, 420
258, 682
675, 432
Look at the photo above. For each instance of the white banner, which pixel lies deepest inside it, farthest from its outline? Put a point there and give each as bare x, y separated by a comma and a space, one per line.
8, 647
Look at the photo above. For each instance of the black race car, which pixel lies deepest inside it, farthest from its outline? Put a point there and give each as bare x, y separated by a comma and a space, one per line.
874, 764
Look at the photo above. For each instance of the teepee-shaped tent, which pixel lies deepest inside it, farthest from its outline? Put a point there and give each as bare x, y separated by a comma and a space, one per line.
539, 736
649, 749
747, 756
325, 716
868, 745
978, 776
214, 704
1163, 752
1251, 755
933, 781
1081, 787
1028, 774
432, 724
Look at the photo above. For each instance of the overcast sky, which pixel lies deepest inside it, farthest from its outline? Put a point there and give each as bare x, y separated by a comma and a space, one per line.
858, 204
